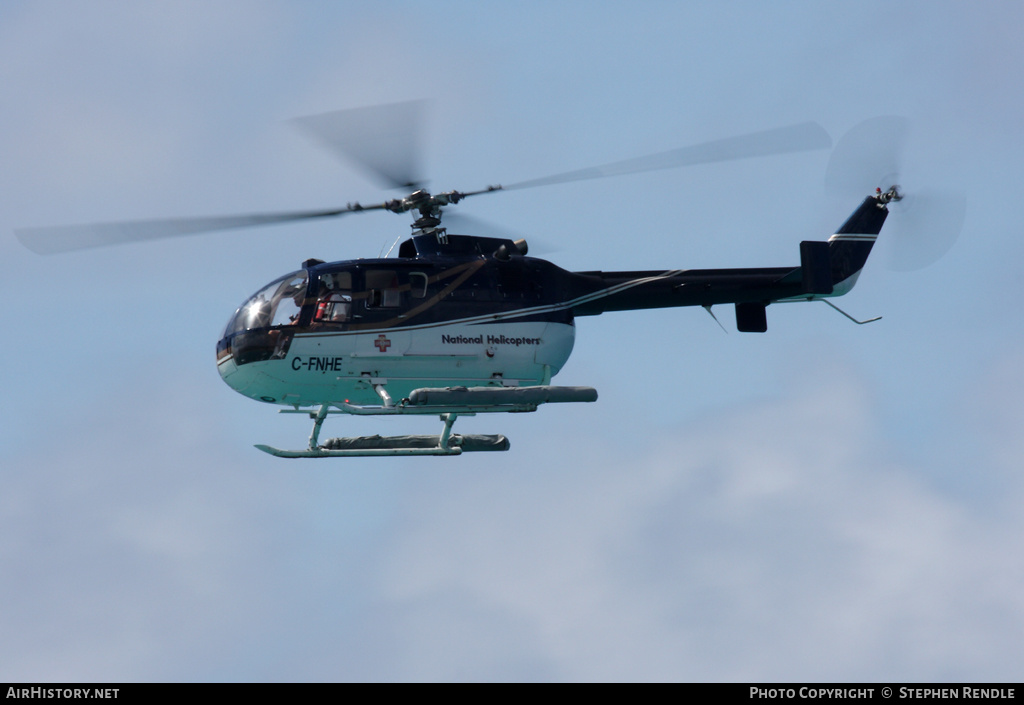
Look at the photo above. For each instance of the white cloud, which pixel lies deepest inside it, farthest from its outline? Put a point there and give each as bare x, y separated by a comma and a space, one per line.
772, 544
775, 542
134, 547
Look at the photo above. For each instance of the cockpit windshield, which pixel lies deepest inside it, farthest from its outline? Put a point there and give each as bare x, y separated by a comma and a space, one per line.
277, 304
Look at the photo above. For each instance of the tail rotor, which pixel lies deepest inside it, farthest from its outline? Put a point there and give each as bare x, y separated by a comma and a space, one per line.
925, 222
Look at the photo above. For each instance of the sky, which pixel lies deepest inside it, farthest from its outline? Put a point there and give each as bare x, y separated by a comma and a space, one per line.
823, 502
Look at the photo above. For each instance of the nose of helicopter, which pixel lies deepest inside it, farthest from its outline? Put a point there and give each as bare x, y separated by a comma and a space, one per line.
245, 359
227, 366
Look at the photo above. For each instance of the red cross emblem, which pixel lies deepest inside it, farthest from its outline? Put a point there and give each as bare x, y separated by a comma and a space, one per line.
382, 343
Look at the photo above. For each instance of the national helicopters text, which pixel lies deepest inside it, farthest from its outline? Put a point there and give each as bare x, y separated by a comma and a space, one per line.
491, 340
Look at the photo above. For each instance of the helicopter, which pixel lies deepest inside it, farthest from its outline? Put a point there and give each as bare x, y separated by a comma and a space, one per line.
459, 325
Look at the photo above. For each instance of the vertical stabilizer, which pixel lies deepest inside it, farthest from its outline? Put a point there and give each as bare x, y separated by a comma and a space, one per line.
850, 246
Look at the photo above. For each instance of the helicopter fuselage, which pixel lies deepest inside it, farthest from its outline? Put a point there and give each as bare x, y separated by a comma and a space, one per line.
466, 311
338, 331
335, 331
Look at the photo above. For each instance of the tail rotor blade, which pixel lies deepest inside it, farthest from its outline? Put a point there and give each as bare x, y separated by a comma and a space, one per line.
925, 226
867, 156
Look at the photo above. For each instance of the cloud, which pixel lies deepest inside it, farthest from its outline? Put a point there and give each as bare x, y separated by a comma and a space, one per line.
777, 543
133, 547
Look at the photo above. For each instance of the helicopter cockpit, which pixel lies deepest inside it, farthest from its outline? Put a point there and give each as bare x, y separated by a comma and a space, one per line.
279, 303
259, 330
324, 297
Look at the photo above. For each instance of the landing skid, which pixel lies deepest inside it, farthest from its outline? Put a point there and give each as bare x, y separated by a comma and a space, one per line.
448, 403
396, 445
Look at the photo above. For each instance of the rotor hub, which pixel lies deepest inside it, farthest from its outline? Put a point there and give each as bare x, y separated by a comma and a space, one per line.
892, 195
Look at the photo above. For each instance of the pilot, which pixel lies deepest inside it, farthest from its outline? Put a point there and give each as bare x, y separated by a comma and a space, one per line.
298, 300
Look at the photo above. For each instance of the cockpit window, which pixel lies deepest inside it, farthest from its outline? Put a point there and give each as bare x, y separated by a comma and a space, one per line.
276, 304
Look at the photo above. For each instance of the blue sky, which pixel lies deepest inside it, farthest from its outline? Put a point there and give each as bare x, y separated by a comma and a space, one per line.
823, 502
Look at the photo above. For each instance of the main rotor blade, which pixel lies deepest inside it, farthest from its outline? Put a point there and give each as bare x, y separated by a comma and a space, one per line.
65, 238
795, 138
382, 139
